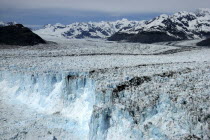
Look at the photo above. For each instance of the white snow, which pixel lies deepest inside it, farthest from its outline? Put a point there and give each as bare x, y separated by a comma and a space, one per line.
96, 29
8, 23
200, 22
86, 55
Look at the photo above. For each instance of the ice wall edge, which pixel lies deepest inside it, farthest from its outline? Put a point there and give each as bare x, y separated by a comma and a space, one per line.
161, 106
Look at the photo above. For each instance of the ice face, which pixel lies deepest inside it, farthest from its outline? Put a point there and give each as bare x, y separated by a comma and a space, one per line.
161, 106
129, 104
68, 94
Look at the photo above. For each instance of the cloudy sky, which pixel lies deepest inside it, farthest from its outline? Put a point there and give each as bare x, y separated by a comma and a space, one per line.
39, 12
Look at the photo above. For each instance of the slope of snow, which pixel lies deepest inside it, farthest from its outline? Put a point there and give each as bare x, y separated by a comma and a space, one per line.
191, 24
85, 30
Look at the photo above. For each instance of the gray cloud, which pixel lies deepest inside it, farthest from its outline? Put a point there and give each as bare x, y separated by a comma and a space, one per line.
112, 6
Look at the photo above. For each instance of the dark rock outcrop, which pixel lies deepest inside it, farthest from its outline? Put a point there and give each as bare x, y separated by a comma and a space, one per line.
205, 42
19, 35
143, 37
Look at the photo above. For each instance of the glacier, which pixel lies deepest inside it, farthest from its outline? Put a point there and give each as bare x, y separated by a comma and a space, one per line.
67, 94
129, 104
101, 90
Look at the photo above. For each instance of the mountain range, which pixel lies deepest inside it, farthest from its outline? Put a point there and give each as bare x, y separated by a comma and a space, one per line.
179, 26
81, 30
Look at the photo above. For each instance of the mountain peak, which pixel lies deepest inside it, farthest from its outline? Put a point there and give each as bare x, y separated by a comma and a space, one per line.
101, 29
203, 12
124, 19
47, 25
59, 24
163, 16
181, 25
7, 23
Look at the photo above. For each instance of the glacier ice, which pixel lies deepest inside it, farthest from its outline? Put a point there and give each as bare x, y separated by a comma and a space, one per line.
167, 105
68, 94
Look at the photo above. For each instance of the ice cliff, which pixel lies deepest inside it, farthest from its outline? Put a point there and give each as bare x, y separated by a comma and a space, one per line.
126, 104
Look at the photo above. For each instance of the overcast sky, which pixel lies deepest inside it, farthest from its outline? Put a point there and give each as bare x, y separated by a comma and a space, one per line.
42, 11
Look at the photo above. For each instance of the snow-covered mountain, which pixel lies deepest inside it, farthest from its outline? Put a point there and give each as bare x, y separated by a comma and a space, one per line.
181, 25
7, 23
86, 30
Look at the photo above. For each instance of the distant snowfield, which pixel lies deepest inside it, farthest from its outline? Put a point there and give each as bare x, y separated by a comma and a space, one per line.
85, 55
65, 91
